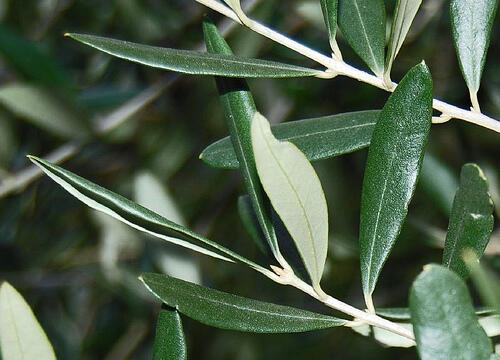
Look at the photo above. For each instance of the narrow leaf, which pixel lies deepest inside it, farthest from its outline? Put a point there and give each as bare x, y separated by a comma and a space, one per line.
443, 318
319, 138
193, 62
403, 17
363, 25
471, 220
330, 9
31, 61
41, 108
227, 311
471, 24
392, 169
21, 336
296, 194
135, 215
169, 338
486, 282
239, 109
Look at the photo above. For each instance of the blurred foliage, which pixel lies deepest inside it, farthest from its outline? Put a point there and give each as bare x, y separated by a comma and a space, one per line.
79, 271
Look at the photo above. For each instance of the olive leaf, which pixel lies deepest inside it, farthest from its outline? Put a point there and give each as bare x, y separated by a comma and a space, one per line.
296, 194
471, 220
193, 62
169, 338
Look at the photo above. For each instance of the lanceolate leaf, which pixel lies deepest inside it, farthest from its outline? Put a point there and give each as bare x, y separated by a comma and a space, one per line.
41, 108
330, 8
403, 17
193, 62
471, 221
443, 318
30, 61
363, 24
21, 336
169, 338
239, 109
228, 311
135, 215
319, 138
471, 23
295, 193
392, 169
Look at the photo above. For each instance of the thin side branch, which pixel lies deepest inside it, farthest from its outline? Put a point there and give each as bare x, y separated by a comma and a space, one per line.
339, 67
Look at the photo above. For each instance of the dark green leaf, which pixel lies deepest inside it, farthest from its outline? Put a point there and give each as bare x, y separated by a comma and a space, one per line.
392, 169
471, 221
471, 23
193, 62
136, 215
239, 109
169, 339
363, 24
319, 138
443, 318
31, 61
330, 8
228, 311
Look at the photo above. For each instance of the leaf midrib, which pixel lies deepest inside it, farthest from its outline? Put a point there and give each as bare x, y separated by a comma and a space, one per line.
309, 229
365, 34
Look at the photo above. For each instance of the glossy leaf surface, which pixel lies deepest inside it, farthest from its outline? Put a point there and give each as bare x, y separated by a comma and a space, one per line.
471, 23
392, 169
169, 339
296, 194
21, 336
227, 311
403, 17
363, 24
443, 318
319, 138
239, 109
471, 221
193, 62
134, 214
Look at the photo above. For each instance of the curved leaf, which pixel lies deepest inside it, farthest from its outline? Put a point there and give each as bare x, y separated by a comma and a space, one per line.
403, 17
363, 25
392, 169
193, 62
169, 338
239, 109
319, 138
471, 220
136, 215
471, 23
329, 9
227, 311
296, 194
443, 318
21, 336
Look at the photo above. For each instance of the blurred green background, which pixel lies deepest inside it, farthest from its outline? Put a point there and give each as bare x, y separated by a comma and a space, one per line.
139, 131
